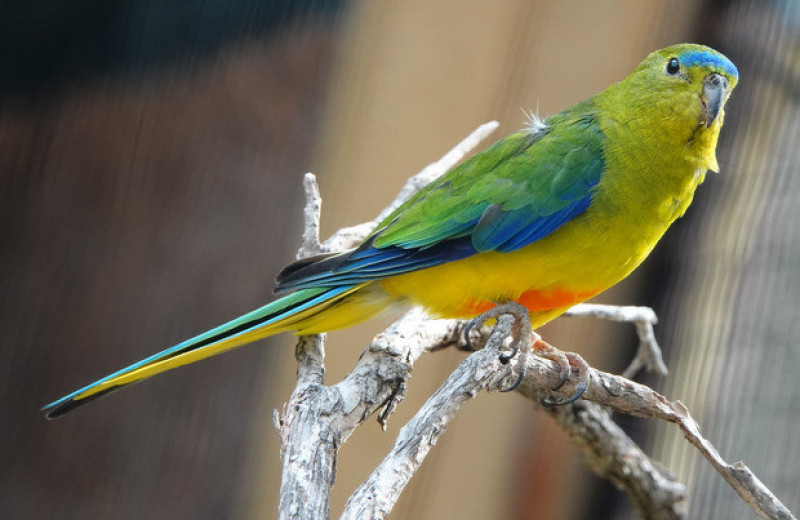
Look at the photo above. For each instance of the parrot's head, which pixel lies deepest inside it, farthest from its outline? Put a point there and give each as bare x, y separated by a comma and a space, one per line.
684, 89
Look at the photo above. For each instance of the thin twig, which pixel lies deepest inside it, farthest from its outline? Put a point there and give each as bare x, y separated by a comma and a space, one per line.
317, 419
626, 396
310, 245
648, 355
350, 237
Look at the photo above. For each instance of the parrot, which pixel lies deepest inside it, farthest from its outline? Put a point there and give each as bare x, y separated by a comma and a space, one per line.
547, 217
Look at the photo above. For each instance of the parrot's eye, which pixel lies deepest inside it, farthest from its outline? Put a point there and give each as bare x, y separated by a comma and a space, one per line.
673, 66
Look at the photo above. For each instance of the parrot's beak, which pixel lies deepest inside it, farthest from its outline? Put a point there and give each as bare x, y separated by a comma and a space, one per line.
714, 88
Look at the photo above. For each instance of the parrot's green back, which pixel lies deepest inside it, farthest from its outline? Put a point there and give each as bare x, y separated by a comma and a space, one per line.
548, 217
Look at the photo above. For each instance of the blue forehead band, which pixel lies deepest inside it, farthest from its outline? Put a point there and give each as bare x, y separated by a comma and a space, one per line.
704, 58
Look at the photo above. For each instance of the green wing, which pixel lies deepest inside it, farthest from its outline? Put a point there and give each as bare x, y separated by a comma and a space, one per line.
517, 191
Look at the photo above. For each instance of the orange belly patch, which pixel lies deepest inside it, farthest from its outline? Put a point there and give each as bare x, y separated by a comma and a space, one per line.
535, 301
553, 299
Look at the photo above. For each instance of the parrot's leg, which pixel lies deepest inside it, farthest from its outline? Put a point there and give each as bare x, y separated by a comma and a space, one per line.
525, 339
521, 334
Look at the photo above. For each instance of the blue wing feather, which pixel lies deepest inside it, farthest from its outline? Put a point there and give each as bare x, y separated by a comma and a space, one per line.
497, 226
544, 226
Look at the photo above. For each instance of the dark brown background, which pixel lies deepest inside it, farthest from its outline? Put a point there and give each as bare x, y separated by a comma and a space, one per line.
151, 158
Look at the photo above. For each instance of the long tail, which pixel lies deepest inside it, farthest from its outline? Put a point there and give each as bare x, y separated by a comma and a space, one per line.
297, 311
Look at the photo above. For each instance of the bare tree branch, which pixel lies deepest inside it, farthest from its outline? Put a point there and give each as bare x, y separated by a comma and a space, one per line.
653, 491
308, 445
310, 245
626, 396
318, 418
649, 353
376, 497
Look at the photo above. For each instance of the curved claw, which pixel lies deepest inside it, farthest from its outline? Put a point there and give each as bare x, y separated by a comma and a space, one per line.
467, 330
564, 367
516, 383
505, 357
551, 401
565, 361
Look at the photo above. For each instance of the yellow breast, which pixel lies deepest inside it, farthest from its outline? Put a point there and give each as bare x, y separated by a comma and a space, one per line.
580, 259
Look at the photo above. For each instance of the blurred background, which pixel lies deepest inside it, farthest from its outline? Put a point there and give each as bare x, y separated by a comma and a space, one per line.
151, 157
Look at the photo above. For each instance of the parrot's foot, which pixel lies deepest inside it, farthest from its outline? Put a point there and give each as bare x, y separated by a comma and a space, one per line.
521, 335
565, 361
523, 340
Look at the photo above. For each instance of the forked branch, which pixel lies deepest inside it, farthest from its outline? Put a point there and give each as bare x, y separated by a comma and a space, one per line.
318, 418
